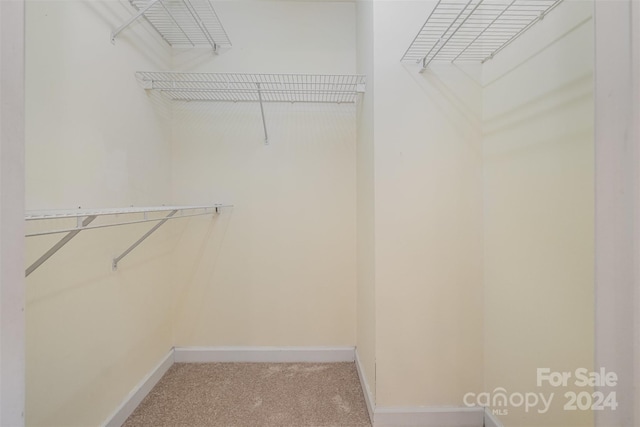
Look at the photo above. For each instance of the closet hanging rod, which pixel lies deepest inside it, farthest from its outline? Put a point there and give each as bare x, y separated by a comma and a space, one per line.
80, 228
474, 30
207, 210
158, 82
85, 217
75, 213
212, 91
260, 88
234, 87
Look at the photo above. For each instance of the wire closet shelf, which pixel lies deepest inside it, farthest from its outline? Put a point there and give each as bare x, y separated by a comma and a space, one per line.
242, 87
85, 217
181, 23
34, 215
474, 30
81, 214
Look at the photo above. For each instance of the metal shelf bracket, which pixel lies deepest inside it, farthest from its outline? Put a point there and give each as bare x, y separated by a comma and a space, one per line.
260, 88
264, 123
129, 21
473, 30
82, 223
181, 23
116, 260
86, 216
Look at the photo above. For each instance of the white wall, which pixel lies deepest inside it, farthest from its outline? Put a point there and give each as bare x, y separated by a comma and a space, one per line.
617, 28
428, 220
366, 302
538, 211
469, 163
12, 294
94, 138
286, 252
278, 268
280, 36
635, 84
281, 267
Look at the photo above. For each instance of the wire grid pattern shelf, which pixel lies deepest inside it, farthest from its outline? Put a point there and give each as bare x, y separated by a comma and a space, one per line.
240, 87
182, 23
474, 30
76, 213
85, 218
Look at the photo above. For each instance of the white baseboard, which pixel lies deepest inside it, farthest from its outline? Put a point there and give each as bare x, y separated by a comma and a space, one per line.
139, 392
225, 354
264, 354
419, 416
366, 390
380, 416
428, 417
491, 420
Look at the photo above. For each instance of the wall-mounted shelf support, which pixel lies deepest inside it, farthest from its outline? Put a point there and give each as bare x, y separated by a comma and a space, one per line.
261, 88
181, 23
82, 223
131, 20
85, 217
473, 30
264, 123
116, 260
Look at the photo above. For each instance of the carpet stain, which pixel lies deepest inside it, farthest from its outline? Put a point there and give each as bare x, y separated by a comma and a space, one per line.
257, 403
304, 370
272, 370
340, 403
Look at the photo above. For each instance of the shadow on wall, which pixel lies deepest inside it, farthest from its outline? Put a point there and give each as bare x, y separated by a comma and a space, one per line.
289, 123
139, 36
573, 93
85, 260
448, 86
540, 51
196, 274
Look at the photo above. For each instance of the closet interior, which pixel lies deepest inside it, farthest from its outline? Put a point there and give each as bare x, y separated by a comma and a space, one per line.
406, 183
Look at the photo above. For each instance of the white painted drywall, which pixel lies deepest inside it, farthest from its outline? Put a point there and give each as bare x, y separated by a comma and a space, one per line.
538, 211
12, 323
616, 142
280, 36
279, 268
366, 300
635, 83
428, 220
283, 262
94, 138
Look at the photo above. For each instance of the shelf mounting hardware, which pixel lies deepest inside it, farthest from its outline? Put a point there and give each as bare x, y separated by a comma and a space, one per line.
116, 260
82, 223
260, 88
473, 30
425, 62
264, 123
85, 217
134, 18
181, 23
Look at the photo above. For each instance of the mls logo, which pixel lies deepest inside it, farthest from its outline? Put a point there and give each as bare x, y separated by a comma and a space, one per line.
500, 412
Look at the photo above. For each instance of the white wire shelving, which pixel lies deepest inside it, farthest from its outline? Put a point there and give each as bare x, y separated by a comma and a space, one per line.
181, 23
239, 87
85, 217
474, 30
261, 88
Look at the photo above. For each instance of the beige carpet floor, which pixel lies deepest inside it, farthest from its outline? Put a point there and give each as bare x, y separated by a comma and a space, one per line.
255, 394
